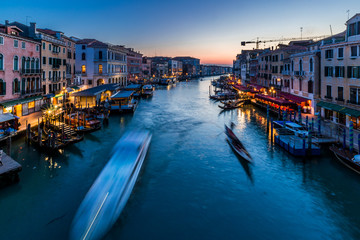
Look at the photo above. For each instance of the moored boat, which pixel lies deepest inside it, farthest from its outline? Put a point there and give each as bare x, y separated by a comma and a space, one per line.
236, 145
350, 160
108, 195
123, 101
147, 90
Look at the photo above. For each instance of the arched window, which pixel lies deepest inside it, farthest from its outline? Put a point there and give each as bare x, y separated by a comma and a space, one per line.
311, 65
292, 65
100, 69
2, 87
16, 63
23, 66
83, 56
23, 85
16, 86
300, 66
37, 64
27, 63
100, 55
300, 85
32, 63
83, 69
1, 62
310, 86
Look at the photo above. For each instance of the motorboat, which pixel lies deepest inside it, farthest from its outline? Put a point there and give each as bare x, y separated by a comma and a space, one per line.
236, 145
108, 195
350, 160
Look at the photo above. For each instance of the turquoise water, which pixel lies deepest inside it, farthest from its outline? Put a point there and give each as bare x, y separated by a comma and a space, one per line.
192, 186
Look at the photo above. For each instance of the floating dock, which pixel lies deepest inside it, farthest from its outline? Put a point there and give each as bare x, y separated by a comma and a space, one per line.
9, 170
297, 146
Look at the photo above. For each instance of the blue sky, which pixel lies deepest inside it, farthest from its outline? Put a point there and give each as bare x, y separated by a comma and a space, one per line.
210, 30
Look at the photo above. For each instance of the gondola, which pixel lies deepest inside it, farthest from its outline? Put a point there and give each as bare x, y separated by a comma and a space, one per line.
231, 104
86, 129
350, 160
236, 145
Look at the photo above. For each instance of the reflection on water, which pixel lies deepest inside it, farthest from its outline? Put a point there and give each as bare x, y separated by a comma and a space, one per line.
192, 186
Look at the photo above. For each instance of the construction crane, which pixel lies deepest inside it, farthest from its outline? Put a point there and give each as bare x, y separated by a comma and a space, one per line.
257, 42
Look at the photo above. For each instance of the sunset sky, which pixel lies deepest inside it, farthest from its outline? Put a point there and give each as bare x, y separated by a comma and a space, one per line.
210, 30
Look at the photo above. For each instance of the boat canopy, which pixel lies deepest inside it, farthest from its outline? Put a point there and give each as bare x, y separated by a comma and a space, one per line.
6, 117
122, 94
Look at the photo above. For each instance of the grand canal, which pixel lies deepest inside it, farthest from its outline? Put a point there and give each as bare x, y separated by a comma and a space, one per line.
192, 185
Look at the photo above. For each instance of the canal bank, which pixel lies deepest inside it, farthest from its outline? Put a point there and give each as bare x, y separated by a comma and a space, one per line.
192, 185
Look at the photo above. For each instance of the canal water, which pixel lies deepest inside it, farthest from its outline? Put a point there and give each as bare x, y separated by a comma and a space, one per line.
192, 186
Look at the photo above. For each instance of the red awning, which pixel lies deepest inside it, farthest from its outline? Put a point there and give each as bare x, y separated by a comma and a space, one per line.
275, 100
258, 87
241, 87
293, 98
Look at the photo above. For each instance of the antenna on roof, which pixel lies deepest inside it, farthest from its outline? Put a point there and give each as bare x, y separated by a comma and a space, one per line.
27, 17
331, 30
348, 12
301, 28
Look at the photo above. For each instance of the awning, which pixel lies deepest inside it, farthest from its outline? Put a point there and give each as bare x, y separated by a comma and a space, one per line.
50, 95
275, 100
122, 94
59, 95
241, 88
75, 87
293, 98
20, 101
256, 86
339, 108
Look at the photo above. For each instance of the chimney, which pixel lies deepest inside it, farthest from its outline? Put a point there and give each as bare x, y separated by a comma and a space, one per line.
6, 22
32, 30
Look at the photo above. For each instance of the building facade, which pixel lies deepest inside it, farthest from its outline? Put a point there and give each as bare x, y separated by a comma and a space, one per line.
100, 63
20, 72
134, 65
340, 73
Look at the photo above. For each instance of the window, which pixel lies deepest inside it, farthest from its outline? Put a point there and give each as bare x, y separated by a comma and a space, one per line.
44, 77
353, 51
328, 91
292, 65
352, 29
2, 87
329, 53
16, 63
63, 50
37, 48
64, 76
339, 71
44, 60
83, 69
100, 69
1, 41
83, 47
49, 47
300, 66
353, 72
311, 67
328, 71
340, 52
44, 46
23, 63
100, 55
340, 94
64, 62
355, 95
16, 43
23, 46
83, 56
49, 75
1, 62
16, 86
310, 86
50, 60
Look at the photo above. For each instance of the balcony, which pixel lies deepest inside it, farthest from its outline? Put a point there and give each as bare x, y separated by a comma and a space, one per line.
30, 71
328, 98
31, 92
55, 66
299, 73
285, 72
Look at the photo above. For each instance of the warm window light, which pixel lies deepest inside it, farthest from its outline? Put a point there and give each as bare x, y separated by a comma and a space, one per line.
100, 68
83, 69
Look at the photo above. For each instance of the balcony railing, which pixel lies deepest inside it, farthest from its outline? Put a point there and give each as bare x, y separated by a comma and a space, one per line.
30, 71
31, 91
299, 73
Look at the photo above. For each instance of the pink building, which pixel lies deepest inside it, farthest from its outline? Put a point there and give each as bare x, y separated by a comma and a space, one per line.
134, 65
20, 74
